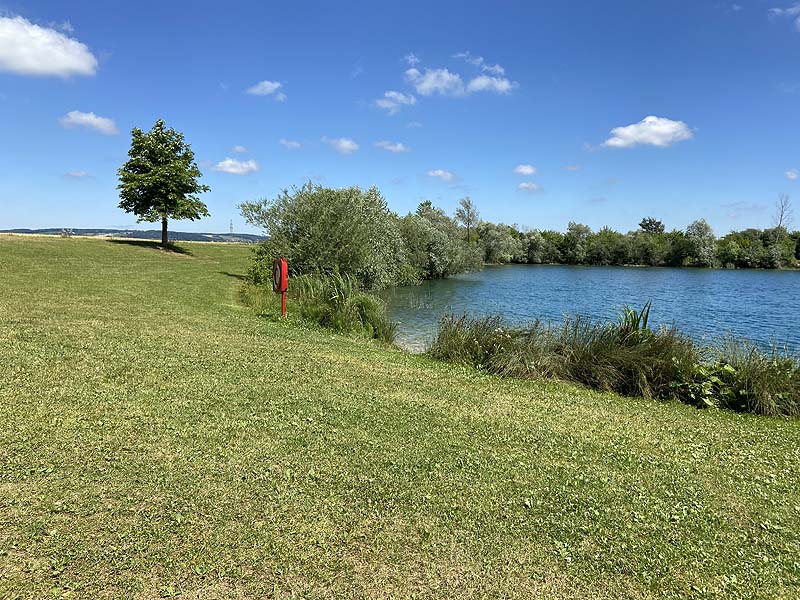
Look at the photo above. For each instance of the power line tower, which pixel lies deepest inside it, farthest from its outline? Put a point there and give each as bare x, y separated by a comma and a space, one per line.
231, 225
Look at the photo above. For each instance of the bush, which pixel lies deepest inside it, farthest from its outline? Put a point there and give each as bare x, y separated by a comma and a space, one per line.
334, 301
627, 357
319, 229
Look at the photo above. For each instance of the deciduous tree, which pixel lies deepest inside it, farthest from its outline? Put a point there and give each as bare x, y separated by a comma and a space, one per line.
160, 179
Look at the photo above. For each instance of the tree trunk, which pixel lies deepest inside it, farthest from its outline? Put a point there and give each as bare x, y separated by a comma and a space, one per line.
164, 237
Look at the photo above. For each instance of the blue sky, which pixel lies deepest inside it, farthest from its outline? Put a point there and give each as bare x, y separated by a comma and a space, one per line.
425, 100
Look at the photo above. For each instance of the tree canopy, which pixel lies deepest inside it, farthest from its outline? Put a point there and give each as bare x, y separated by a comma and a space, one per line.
160, 179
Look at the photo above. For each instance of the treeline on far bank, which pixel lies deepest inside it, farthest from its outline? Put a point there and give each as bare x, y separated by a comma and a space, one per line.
352, 231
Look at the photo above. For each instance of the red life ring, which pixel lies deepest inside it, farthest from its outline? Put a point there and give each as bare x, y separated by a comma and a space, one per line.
280, 276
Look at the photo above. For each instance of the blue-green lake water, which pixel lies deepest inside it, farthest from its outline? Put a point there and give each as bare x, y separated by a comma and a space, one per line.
763, 306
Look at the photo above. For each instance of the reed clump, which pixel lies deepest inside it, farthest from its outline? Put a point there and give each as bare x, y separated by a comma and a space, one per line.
630, 358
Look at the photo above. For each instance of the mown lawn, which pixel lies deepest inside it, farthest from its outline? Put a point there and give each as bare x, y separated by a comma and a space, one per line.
158, 440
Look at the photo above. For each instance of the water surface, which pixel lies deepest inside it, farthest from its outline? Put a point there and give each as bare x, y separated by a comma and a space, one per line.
763, 306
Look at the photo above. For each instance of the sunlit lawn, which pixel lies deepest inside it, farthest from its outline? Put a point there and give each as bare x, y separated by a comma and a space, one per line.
157, 439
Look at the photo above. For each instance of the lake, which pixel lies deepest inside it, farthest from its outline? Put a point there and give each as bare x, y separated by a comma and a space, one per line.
763, 306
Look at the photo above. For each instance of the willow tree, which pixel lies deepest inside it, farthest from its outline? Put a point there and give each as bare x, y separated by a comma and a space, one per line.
160, 179
467, 214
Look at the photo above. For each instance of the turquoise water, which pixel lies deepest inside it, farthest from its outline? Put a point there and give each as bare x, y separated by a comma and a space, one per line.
763, 306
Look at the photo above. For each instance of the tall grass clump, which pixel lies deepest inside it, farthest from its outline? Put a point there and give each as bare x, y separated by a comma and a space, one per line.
758, 381
334, 300
627, 357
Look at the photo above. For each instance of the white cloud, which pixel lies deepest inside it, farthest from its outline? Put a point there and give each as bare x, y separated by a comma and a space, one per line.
396, 147
267, 88
240, 149
792, 174
441, 174
290, 144
446, 83
341, 145
436, 81
484, 83
414, 125
793, 12
572, 168
236, 167
28, 49
77, 175
529, 186
479, 62
411, 59
653, 131
89, 120
525, 170
393, 101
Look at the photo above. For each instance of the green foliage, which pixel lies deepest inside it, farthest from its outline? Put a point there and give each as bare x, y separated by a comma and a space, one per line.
649, 246
322, 230
467, 215
334, 301
766, 383
160, 179
702, 244
502, 244
435, 246
627, 357
651, 225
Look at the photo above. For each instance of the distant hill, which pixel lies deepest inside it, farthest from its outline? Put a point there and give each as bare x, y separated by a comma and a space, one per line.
150, 234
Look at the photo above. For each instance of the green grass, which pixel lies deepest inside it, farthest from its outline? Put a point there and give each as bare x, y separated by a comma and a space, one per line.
157, 438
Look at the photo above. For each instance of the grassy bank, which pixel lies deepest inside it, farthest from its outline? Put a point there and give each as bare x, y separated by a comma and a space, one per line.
159, 439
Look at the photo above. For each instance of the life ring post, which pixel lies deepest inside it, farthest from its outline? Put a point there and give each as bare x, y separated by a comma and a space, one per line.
280, 281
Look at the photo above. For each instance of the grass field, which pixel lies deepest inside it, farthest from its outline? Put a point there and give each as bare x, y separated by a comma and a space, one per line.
157, 440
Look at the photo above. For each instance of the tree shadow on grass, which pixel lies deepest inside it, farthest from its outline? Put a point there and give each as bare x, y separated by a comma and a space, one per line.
153, 245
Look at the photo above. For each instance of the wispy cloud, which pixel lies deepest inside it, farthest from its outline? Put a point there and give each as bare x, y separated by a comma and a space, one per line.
435, 81
411, 59
650, 131
526, 170
342, 145
240, 149
77, 175
734, 210
76, 118
393, 101
414, 125
485, 83
28, 49
444, 82
791, 12
395, 147
529, 186
290, 144
479, 62
267, 88
358, 69
572, 168
442, 174
234, 166
792, 174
